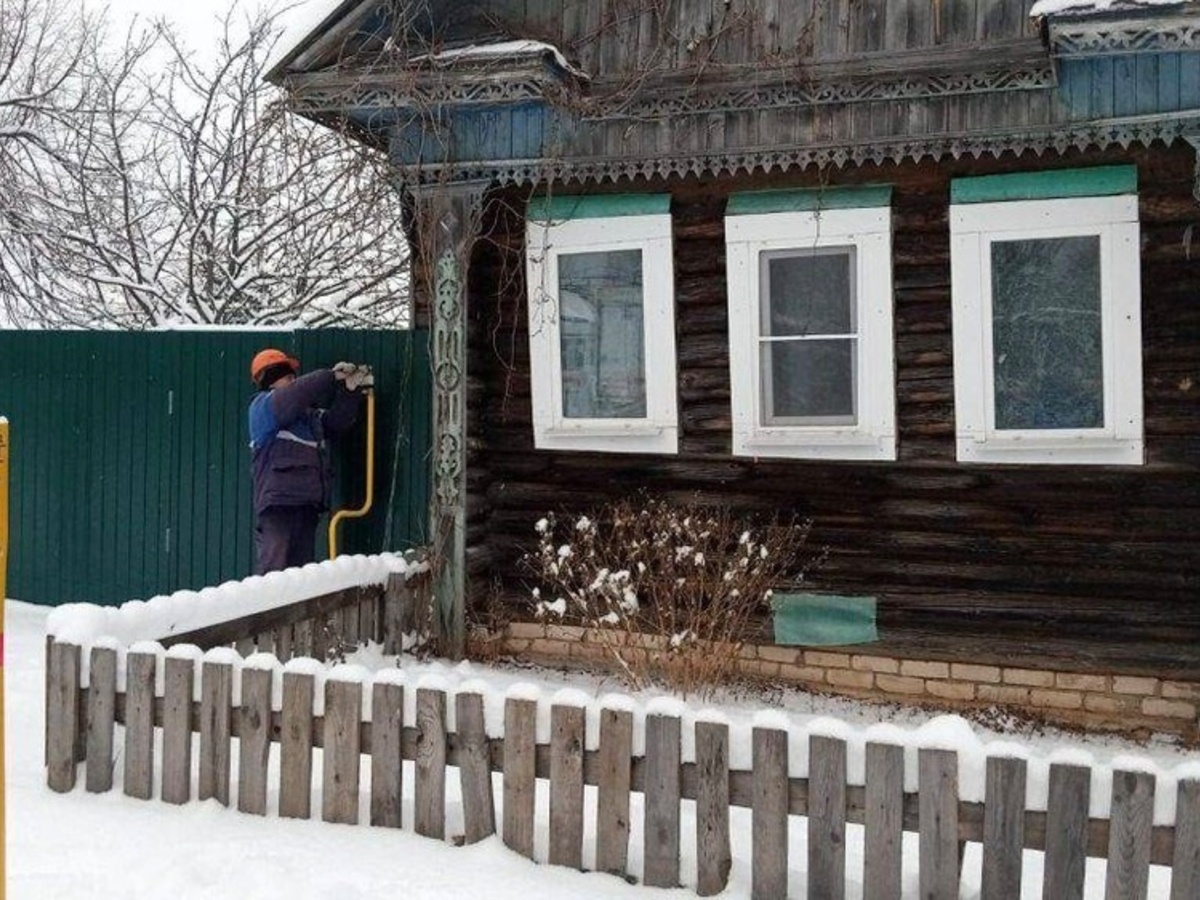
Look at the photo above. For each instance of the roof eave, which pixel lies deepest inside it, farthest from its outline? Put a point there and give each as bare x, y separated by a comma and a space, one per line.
321, 39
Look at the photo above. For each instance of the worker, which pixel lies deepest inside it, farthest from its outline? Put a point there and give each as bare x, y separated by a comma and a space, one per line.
290, 417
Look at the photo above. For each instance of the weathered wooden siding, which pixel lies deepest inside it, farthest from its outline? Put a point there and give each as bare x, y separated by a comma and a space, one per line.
1107, 87
1062, 550
624, 35
681, 77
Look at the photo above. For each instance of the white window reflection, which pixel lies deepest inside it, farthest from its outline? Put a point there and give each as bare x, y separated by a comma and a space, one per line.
601, 335
1047, 336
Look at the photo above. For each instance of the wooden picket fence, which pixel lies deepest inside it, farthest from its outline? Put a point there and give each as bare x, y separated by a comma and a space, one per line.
81, 729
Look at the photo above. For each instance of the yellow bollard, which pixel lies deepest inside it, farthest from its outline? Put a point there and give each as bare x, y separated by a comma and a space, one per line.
3, 594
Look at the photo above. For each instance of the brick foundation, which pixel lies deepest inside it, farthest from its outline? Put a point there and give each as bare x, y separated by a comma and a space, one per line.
1116, 703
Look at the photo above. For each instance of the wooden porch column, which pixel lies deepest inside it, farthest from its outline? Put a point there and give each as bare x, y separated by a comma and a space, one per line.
447, 220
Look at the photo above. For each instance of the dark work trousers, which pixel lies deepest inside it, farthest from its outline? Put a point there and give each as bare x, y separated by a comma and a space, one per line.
284, 536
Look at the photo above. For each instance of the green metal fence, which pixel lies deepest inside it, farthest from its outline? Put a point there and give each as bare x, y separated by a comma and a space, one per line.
130, 465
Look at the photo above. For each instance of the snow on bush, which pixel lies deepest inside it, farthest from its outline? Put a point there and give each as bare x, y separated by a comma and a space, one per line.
684, 579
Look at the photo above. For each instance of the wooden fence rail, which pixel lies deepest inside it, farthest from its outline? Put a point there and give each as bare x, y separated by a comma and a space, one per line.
322, 627
82, 726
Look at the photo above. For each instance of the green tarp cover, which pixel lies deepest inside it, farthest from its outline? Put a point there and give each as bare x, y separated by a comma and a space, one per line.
823, 619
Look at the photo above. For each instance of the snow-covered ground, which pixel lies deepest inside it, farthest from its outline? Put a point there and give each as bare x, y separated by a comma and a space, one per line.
81, 845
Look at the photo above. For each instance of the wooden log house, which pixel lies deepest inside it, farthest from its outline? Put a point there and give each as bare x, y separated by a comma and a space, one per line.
985, 391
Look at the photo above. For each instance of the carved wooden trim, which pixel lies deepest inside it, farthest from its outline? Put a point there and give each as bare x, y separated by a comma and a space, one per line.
448, 221
661, 104
837, 155
863, 79
1102, 37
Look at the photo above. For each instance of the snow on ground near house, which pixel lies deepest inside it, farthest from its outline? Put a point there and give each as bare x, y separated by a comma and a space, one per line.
101, 846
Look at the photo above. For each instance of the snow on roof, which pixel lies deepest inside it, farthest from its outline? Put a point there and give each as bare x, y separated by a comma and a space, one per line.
500, 50
299, 22
305, 18
1083, 7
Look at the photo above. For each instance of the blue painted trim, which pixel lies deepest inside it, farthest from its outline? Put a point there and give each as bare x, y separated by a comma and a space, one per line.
561, 208
1100, 181
857, 196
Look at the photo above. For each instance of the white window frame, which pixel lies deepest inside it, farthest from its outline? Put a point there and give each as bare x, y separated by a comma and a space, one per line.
658, 430
869, 231
973, 228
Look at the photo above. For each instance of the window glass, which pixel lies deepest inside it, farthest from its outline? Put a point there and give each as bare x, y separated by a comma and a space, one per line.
603, 358
1047, 333
809, 340
809, 382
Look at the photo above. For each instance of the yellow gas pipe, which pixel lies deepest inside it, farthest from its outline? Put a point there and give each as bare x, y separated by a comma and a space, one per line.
337, 517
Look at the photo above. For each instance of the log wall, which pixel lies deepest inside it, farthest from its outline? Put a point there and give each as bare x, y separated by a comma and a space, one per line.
1076, 551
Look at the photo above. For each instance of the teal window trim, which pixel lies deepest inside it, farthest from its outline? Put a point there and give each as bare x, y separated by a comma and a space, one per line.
563, 208
855, 196
1053, 184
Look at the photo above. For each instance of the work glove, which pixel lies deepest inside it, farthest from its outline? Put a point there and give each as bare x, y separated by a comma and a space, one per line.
362, 378
343, 371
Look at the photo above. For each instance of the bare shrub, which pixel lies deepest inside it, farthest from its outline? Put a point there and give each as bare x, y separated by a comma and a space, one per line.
667, 589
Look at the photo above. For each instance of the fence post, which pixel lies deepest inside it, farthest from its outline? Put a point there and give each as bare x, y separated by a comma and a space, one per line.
612, 801
178, 689
713, 854
254, 740
429, 792
474, 768
661, 829
826, 816
340, 768
1003, 828
101, 710
1185, 867
387, 754
566, 786
520, 774
883, 832
216, 713
397, 612
139, 724
938, 813
1066, 831
1129, 830
769, 818
296, 746
62, 716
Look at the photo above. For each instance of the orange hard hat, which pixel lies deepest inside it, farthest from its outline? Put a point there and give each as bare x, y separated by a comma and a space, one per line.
264, 359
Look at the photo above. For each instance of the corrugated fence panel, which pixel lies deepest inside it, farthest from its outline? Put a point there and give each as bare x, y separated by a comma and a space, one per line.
131, 462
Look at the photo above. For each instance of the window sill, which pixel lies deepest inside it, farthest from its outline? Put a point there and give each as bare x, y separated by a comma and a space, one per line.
1061, 451
832, 445
609, 437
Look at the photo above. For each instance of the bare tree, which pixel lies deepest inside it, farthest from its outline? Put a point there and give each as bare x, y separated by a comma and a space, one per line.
188, 195
43, 45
